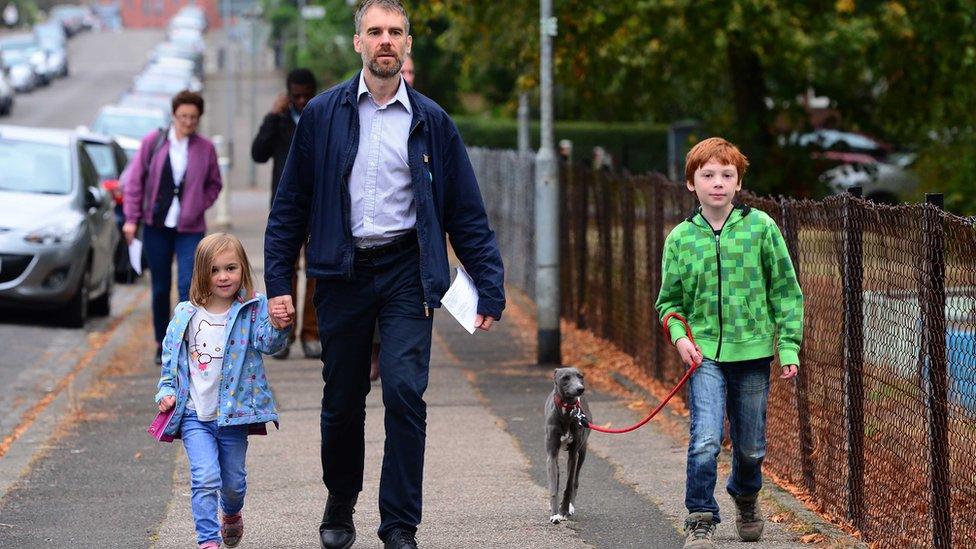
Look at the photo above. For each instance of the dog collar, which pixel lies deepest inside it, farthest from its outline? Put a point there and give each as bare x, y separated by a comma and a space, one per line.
559, 402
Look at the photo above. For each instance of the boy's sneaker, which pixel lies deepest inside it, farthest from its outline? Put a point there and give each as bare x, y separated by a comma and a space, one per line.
749, 521
699, 529
232, 529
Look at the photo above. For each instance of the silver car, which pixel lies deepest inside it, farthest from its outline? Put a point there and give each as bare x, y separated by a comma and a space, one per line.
57, 226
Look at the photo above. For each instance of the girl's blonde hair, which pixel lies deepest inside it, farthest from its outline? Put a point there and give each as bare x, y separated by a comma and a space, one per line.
208, 249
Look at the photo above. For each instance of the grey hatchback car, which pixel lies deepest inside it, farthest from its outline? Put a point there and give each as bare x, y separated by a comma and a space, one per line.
57, 226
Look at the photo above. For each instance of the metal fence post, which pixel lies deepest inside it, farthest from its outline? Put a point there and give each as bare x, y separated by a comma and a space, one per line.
934, 319
657, 242
791, 234
605, 215
582, 246
629, 286
854, 356
223, 199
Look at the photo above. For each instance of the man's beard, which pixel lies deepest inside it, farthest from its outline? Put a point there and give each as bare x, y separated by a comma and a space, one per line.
379, 71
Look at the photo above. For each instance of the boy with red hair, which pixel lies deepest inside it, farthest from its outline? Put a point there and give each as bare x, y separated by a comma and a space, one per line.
726, 269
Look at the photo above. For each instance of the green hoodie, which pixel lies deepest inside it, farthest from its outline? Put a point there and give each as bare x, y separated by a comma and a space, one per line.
736, 287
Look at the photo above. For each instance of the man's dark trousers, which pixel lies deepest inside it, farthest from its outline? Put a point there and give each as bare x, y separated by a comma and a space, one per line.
386, 285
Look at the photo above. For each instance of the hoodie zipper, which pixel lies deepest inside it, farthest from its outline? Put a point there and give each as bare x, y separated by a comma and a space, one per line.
718, 264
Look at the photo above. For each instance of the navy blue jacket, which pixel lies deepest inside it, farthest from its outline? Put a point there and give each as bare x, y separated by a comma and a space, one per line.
313, 202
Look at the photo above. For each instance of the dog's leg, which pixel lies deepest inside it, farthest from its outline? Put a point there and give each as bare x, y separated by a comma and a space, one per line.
552, 464
579, 465
571, 469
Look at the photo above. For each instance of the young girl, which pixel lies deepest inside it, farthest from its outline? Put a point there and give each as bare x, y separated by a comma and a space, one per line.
213, 374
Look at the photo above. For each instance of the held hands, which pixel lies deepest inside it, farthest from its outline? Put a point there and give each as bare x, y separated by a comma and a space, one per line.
166, 403
129, 231
789, 371
483, 322
282, 311
690, 353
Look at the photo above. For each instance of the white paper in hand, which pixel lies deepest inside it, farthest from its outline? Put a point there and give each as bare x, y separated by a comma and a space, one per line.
135, 255
461, 300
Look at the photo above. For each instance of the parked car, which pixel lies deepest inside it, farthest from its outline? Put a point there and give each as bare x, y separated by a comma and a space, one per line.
132, 122
176, 74
825, 139
189, 39
171, 49
6, 96
162, 85
51, 38
187, 21
19, 71
110, 160
110, 15
27, 47
161, 103
71, 18
883, 182
186, 66
50, 34
57, 228
195, 12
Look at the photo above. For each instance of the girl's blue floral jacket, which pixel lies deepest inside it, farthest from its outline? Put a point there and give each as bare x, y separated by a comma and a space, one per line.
245, 397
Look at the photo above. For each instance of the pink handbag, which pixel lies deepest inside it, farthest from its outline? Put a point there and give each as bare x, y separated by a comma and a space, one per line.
159, 424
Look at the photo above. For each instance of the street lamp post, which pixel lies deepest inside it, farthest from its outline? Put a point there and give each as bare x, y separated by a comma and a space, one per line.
547, 205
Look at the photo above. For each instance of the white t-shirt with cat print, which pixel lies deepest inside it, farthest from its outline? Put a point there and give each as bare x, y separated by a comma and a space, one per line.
206, 336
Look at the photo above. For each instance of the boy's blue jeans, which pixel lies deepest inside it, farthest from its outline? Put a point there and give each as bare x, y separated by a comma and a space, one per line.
217, 471
740, 389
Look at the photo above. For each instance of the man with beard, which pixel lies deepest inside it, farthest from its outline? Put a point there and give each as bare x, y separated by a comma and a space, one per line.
376, 178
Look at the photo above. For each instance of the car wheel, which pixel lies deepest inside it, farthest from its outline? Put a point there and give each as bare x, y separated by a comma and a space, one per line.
102, 306
76, 311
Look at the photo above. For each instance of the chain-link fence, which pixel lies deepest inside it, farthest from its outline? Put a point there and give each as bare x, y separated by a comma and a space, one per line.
507, 181
880, 426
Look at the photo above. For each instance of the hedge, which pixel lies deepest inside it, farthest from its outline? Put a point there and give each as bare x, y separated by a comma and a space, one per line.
636, 147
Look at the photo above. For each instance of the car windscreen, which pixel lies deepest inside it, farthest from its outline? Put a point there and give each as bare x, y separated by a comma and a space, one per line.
128, 125
34, 167
18, 44
103, 157
159, 85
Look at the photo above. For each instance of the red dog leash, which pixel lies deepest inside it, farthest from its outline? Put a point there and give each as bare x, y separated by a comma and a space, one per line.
586, 423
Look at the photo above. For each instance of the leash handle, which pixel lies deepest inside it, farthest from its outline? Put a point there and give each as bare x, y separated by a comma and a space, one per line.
585, 422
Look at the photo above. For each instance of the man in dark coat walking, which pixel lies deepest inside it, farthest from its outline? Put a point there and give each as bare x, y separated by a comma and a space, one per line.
272, 142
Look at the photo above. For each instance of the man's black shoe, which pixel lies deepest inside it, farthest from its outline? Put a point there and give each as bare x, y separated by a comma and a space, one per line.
312, 348
337, 530
400, 539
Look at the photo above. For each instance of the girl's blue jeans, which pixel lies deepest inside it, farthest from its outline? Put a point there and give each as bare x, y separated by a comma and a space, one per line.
741, 390
217, 472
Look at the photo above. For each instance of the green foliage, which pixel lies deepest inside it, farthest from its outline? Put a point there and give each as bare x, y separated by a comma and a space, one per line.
636, 147
949, 166
898, 69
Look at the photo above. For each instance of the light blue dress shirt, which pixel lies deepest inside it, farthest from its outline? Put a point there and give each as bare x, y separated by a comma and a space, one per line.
380, 185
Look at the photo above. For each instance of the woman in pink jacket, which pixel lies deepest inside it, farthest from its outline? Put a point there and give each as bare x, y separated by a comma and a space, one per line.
169, 185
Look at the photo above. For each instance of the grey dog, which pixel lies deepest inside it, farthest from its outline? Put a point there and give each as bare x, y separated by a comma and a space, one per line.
564, 432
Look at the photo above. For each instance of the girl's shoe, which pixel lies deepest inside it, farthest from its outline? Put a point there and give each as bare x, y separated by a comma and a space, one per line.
232, 529
210, 545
